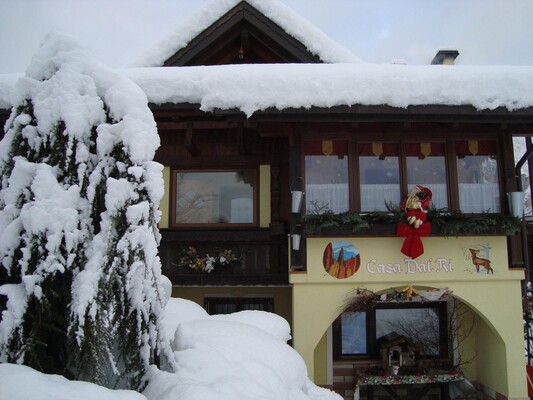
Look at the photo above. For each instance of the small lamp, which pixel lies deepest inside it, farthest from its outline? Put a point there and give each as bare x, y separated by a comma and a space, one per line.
296, 237
516, 204
297, 197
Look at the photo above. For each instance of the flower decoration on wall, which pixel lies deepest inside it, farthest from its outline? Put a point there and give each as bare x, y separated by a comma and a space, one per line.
207, 263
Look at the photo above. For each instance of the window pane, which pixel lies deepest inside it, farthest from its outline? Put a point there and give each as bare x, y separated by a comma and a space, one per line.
379, 176
426, 166
353, 333
229, 305
326, 176
214, 197
420, 325
478, 176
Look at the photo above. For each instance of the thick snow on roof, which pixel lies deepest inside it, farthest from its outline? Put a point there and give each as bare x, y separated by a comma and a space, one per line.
251, 88
316, 41
255, 87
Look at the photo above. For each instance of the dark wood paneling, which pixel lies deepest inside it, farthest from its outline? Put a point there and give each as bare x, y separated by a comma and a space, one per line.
262, 257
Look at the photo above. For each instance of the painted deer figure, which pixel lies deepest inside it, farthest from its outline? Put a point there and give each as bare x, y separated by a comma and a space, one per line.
478, 261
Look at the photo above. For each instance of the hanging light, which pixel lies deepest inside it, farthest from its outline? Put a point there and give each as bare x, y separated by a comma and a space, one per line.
297, 198
296, 238
516, 204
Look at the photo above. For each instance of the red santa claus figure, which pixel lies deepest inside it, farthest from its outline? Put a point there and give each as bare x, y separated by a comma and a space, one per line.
416, 206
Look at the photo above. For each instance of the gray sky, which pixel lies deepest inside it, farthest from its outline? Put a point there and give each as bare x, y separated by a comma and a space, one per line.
486, 32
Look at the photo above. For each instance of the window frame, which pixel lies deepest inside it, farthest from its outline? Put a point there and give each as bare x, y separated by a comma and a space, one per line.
372, 352
255, 193
266, 302
450, 157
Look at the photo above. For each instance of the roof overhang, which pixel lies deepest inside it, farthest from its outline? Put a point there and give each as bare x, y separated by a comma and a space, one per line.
365, 113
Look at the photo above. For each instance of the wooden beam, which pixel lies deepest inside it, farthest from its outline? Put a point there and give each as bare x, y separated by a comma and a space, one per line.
198, 125
240, 139
189, 140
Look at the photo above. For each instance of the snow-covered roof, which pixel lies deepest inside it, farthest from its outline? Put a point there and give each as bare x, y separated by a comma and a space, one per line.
316, 41
255, 87
343, 80
251, 88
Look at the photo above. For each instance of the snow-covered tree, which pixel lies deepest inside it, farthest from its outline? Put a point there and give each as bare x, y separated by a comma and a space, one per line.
79, 200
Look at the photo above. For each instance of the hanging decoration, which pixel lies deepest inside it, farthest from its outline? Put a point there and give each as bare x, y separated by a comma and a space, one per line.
327, 147
415, 207
377, 150
365, 300
410, 291
473, 147
425, 149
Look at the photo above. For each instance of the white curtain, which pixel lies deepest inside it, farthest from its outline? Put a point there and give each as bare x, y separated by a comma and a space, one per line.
473, 197
479, 197
373, 197
334, 196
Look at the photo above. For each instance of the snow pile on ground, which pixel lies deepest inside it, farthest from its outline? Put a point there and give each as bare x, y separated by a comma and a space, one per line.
243, 356
240, 356
18, 382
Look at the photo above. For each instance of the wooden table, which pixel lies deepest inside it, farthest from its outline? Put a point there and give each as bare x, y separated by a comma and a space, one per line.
424, 381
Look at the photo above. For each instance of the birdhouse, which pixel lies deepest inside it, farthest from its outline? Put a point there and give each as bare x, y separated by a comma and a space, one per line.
398, 351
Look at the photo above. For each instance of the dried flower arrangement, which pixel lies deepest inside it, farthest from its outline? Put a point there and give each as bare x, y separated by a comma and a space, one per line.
207, 263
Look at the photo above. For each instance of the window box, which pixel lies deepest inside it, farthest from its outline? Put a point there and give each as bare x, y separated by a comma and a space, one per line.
349, 224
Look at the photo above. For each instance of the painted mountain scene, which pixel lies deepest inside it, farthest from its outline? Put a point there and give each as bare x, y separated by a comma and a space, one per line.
341, 259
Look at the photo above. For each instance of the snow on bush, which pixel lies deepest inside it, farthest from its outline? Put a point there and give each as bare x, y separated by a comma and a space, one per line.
19, 382
79, 197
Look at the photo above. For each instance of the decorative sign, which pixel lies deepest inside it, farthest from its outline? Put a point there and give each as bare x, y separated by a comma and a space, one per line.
341, 259
410, 266
479, 255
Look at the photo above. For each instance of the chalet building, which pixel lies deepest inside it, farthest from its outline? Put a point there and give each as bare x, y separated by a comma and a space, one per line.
286, 161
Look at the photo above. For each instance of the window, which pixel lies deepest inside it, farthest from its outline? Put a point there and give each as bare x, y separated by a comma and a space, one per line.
361, 333
326, 176
214, 197
379, 175
477, 175
228, 305
426, 166
367, 176
353, 333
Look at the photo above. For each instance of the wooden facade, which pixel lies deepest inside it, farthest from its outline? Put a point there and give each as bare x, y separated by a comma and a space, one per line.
271, 146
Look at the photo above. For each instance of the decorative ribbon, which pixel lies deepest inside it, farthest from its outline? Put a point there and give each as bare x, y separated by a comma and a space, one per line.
412, 245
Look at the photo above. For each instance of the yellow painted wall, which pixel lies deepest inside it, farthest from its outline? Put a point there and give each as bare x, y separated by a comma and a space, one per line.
467, 323
320, 362
164, 206
318, 298
264, 196
498, 335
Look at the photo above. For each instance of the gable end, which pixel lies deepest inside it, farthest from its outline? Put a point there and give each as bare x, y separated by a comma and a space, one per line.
242, 35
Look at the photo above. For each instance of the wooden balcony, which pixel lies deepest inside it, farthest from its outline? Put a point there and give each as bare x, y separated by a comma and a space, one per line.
260, 257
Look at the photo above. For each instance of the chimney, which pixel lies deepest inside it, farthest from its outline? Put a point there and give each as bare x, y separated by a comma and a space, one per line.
445, 57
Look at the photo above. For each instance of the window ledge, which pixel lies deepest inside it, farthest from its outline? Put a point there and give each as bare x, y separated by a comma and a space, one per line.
389, 230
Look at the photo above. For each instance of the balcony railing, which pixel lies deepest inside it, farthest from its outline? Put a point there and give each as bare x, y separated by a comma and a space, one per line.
248, 257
